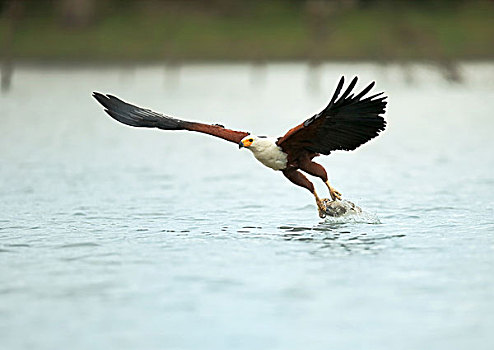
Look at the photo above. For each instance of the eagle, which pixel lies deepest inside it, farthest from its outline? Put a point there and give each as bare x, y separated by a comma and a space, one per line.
348, 121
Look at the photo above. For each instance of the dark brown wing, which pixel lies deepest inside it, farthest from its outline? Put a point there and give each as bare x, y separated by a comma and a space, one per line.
346, 123
136, 116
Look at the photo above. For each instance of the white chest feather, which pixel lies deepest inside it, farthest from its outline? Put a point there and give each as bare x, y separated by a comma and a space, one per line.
269, 154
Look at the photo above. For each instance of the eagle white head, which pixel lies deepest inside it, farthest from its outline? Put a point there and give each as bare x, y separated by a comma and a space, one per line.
265, 150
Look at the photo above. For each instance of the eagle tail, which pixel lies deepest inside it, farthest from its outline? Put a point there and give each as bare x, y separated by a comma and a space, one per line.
129, 114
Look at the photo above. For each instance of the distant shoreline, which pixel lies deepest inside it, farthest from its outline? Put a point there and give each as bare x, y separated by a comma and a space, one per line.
143, 63
282, 32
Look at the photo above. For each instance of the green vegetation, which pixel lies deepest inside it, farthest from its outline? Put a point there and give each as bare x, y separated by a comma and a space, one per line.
280, 31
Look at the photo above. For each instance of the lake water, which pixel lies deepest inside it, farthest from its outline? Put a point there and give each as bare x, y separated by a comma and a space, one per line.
113, 237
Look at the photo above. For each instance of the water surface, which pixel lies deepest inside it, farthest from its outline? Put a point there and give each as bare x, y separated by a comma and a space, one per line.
113, 237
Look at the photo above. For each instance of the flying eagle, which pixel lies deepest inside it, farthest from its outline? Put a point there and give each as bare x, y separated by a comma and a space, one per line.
347, 122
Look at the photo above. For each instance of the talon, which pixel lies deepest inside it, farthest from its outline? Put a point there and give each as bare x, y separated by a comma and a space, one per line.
334, 194
321, 209
322, 213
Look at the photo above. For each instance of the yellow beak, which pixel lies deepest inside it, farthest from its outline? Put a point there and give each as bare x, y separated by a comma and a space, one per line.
245, 143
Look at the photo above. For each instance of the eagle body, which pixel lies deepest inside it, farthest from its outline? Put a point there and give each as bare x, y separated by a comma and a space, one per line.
347, 122
267, 152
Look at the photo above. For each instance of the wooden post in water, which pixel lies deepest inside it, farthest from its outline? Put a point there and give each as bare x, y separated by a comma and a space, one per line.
12, 14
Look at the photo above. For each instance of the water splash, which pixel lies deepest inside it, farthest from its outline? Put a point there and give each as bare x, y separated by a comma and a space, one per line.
343, 211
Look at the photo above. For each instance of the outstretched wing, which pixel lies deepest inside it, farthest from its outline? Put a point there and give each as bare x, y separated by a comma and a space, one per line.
346, 123
136, 116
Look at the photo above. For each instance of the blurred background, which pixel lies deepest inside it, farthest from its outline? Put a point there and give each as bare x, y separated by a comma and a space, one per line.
116, 31
113, 237
144, 30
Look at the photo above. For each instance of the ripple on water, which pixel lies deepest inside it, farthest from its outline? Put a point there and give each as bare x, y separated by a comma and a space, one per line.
345, 235
79, 245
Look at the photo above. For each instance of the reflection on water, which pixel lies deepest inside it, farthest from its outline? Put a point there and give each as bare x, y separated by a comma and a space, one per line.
448, 70
338, 237
148, 239
172, 75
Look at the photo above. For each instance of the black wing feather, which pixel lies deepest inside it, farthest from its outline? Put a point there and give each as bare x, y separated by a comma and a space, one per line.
337, 91
348, 90
129, 114
349, 122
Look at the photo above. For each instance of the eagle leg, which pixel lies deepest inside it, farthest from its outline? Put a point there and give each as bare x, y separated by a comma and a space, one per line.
315, 169
299, 179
